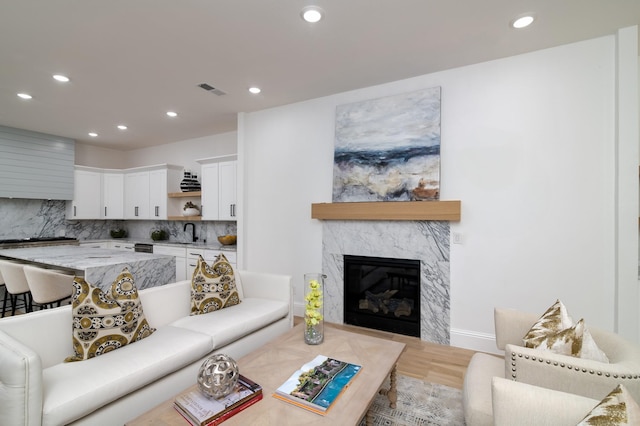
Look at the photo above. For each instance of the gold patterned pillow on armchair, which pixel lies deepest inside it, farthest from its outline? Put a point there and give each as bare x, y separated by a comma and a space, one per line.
213, 287
554, 320
106, 321
617, 408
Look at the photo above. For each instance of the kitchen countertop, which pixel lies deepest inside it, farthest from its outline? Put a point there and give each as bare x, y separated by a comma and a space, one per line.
207, 245
101, 266
78, 258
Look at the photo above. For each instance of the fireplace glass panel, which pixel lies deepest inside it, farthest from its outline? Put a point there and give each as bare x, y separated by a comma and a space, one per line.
382, 293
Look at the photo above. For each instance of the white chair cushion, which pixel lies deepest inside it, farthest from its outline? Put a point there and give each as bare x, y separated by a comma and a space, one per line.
476, 394
231, 323
73, 390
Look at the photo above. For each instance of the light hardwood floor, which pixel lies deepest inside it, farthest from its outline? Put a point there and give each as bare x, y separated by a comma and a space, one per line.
427, 361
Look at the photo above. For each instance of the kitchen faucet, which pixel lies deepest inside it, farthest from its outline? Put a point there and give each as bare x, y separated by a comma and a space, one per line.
193, 230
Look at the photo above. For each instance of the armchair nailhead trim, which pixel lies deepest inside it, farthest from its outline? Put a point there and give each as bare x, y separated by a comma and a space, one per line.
514, 356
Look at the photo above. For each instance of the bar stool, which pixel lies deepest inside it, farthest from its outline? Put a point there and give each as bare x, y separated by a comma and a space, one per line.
4, 292
15, 284
48, 286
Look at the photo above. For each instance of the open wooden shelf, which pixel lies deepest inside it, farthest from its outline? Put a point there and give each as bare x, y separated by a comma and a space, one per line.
397, 210
187, 218
184, 194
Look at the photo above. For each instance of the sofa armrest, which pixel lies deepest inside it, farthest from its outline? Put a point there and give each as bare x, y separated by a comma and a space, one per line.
511, 326
565, 373
526, 405
20, 383
266, 286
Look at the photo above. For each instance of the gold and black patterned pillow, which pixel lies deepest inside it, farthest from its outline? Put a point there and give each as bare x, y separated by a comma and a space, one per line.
617, 408
106, 321
213, 287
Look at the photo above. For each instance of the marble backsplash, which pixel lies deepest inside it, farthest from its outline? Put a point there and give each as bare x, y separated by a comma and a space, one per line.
23, 218
426, 241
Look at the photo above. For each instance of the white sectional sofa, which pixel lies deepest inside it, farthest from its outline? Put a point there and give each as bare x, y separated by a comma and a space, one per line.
38, 388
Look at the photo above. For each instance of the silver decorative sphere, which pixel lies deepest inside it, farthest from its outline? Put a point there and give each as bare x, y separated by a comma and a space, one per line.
218, 376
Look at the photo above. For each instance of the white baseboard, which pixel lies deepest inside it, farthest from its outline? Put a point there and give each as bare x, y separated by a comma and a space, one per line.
475, 341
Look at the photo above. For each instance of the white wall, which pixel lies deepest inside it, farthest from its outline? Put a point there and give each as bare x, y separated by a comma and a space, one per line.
182, 153
529, 145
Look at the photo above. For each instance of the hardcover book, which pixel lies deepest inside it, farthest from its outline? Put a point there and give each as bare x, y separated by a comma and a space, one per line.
201, 410
318, 384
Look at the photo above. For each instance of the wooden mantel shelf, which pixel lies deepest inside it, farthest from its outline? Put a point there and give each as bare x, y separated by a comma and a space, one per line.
391, 210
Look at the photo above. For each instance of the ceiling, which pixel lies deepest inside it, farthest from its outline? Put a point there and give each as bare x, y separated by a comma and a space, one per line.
131, 61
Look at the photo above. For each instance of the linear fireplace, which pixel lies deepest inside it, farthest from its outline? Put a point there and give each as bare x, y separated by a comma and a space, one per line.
382, 293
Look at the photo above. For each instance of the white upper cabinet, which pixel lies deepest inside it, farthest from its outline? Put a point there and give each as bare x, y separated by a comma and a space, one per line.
87, 194
136, 195
219, 191
227, 190
145, 191
209, 176
113, 195
158, 194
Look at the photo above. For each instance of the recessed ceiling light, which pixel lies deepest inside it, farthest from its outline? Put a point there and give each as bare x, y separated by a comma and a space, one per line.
522, 21
122, 127
93, 134
24, 96
61, 78
255, 90
172, 114
312, 14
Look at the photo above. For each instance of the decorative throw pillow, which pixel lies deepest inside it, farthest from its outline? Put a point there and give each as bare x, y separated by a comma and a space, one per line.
617, 408
555, 319
556, 332
567, 341
213, 287
103, 322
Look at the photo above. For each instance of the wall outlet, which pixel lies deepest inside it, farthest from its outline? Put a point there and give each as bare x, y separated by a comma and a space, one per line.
61, 232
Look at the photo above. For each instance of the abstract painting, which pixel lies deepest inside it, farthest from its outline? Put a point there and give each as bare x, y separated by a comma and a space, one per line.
388, 149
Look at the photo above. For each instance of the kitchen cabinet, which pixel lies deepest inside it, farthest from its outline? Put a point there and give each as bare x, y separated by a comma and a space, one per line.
192, 259
180, 253
136, 195
227, 190
120, 245
145, 195
87, 194
113, 195
210, 201
219, 193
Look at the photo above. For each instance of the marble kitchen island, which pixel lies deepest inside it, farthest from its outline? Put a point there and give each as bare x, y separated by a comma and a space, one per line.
100, 267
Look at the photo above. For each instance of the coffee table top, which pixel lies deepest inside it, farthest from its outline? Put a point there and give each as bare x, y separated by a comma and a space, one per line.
273, 363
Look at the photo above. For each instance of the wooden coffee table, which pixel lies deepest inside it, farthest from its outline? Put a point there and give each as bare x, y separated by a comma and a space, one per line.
273, 363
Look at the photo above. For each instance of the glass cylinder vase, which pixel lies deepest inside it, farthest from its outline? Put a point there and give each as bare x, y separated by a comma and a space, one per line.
314, 308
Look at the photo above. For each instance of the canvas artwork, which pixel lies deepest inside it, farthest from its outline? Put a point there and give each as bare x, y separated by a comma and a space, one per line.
388, 149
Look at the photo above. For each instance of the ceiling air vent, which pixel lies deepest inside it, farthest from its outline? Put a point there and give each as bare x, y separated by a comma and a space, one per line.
211, 89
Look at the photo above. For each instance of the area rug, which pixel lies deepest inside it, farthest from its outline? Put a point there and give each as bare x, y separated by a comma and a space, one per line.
419, 403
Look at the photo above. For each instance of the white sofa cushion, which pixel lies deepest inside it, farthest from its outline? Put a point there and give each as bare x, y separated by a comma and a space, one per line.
231, 323
73, 390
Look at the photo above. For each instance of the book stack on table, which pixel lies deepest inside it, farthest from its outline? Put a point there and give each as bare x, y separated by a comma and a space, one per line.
200, 410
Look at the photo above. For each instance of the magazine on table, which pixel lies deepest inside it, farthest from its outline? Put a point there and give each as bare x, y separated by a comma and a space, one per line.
317, 384
201, 410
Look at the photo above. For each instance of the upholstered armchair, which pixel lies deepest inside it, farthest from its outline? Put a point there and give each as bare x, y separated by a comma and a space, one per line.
577, 376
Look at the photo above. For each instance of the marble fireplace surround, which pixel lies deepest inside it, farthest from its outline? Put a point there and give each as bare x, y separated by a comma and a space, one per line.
367, 235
